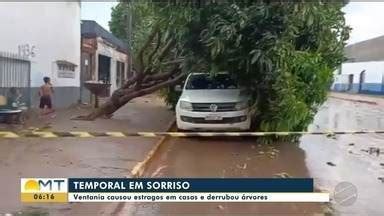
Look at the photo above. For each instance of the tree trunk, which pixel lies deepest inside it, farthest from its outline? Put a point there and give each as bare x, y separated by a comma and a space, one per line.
157, 67
106, 109
122, 96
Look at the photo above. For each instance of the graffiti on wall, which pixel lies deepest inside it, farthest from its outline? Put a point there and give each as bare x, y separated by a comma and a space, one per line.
27, 50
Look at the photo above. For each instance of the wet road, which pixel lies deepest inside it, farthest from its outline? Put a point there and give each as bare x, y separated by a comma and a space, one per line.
350, 154
73, 157
229, 157
329, 160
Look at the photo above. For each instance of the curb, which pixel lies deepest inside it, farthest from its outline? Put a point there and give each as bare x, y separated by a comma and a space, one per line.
355, 100
140, 167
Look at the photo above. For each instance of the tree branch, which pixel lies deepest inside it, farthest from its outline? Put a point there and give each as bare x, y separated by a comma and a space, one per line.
140, 55
130, 82
171, 42
158, 76
158, 43
151, 89
176, 61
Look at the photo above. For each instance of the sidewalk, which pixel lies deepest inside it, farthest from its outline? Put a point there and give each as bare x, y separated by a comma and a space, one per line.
362, 98
72, 157
147, 113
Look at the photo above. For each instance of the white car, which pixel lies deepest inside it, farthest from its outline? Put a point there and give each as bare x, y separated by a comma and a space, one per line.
212, 103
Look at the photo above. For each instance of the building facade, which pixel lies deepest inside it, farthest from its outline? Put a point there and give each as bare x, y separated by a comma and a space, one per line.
104, 58
360, 77
47, 36
363, 72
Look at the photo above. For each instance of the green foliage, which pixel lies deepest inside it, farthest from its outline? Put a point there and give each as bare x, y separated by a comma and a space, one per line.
119, 23
170, 96
284, 53
134, 20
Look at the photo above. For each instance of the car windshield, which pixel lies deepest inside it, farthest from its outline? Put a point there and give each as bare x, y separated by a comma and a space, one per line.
205, 81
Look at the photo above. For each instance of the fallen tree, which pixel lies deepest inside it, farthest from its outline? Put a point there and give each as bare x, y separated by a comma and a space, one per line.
147, 78
283, 53
159, 62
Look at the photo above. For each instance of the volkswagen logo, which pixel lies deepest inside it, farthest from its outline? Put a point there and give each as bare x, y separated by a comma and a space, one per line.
213, 107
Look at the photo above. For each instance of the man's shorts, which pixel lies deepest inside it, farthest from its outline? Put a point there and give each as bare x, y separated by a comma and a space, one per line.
45, 101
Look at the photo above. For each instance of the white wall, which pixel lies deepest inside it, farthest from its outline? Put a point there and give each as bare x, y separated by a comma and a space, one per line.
342, 78
373, 71
106, 50
52, 28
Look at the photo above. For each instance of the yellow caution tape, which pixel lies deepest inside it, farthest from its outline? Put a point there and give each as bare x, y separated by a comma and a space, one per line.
119, 134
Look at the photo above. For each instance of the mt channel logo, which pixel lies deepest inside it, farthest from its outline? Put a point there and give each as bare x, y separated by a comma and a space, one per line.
43, 189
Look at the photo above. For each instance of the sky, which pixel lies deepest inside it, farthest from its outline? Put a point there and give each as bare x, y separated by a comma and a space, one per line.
366, 18
98, 11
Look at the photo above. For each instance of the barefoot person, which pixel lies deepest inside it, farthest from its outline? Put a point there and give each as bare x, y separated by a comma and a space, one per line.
46, 93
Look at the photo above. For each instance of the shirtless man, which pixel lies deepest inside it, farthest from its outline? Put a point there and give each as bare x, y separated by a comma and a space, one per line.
46, 93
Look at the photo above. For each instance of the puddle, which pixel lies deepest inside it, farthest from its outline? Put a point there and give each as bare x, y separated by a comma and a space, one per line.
355, 159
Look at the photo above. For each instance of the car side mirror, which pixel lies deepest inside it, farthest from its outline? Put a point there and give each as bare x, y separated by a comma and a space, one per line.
178, 88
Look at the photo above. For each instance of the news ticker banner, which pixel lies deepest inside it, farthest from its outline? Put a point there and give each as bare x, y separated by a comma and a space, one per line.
56, 190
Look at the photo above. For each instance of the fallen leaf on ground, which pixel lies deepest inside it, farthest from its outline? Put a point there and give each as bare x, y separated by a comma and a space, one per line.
283, 175
351, 144
48, 126
331, 164
158, 170
331, 136
374, 150
244, 166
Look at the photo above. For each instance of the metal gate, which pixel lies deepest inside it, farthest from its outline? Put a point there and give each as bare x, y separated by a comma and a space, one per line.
15, 72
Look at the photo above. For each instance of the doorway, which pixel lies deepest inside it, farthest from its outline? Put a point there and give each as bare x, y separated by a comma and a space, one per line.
104, 69
361, 80
120, 69
350, 82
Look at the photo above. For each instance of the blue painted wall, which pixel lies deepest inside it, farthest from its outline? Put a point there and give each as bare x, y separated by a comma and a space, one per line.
366, 88
373, 77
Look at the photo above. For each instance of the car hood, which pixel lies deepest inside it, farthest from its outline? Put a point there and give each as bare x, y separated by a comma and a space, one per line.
213, 96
